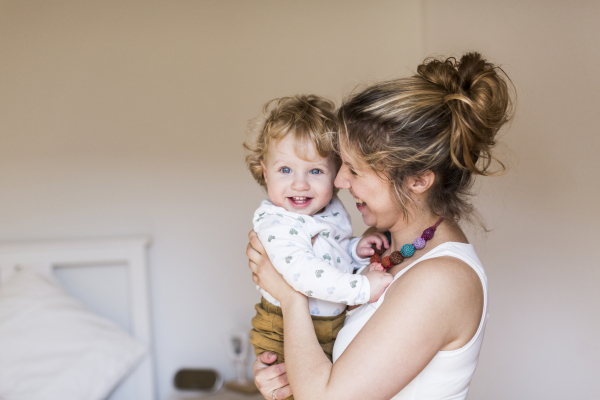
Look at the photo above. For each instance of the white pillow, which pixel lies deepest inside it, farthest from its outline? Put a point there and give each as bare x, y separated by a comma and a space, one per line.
53, 347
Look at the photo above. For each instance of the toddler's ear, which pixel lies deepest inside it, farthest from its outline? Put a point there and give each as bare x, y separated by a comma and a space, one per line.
264, 170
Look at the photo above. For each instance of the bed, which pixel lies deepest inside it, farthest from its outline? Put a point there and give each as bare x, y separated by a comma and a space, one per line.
80, 302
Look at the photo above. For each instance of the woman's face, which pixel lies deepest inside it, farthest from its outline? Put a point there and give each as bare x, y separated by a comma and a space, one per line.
373, 195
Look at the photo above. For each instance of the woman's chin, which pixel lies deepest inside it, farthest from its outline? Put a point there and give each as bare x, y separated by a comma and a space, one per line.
367, 219
370, 220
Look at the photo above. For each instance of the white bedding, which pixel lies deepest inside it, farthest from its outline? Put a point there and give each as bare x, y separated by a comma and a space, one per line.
53, 347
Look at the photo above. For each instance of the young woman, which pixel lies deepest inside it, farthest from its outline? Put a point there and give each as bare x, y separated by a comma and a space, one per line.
410, 149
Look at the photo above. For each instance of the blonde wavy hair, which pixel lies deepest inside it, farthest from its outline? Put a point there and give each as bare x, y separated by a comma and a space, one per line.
443, 119
310, 118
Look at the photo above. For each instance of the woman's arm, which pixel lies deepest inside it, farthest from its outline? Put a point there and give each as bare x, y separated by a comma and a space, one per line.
417, 319
425, 311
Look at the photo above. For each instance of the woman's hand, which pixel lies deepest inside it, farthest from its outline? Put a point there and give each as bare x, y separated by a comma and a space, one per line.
264, 273
271, 380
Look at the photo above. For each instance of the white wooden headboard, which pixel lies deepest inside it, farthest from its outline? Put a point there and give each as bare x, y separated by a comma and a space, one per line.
46, 256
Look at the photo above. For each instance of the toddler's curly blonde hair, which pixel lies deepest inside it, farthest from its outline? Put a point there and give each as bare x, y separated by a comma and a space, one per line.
310, 118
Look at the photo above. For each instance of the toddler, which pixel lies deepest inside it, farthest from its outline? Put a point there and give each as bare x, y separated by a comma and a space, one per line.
303, 226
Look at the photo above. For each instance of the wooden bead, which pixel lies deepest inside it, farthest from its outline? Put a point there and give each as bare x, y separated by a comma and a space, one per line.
396, 258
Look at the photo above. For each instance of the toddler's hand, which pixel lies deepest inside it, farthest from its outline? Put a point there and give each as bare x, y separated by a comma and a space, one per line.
364, 250
379, 281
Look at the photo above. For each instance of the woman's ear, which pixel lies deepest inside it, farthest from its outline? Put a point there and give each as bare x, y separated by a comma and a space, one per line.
264, 170
420, 184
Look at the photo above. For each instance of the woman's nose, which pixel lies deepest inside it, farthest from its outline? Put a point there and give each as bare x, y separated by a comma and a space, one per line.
340, 181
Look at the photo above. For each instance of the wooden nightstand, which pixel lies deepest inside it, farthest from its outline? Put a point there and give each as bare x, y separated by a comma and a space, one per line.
222, 394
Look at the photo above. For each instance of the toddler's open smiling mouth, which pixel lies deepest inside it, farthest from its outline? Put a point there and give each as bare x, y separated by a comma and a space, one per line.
299, 201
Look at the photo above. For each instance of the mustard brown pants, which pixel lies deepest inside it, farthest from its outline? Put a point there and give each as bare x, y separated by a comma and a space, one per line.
267, 332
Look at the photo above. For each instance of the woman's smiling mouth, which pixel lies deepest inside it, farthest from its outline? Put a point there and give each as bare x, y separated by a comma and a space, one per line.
359, 202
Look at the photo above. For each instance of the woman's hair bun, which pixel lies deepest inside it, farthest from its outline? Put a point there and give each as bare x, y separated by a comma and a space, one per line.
478, 99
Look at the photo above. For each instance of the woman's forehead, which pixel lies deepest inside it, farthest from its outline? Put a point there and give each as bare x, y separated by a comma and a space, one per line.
349, 154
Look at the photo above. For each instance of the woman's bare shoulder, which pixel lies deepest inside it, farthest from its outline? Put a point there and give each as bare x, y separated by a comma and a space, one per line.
446, 272
448, 289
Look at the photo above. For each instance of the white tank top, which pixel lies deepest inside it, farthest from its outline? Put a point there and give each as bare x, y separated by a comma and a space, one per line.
449, 373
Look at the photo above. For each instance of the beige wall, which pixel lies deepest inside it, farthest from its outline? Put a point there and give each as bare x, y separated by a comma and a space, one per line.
542, 336
128, 118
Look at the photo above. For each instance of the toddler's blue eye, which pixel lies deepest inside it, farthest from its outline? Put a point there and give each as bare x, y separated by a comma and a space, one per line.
286, 170
315, 171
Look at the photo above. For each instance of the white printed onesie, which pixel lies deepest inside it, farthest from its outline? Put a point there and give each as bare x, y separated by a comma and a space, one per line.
322, 271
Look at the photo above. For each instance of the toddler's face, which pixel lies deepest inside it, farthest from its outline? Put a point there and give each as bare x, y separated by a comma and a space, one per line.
297, 185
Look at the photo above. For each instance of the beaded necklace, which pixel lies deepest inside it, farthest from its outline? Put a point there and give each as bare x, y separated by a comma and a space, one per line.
387, 262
